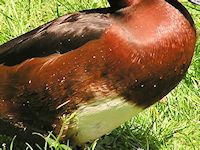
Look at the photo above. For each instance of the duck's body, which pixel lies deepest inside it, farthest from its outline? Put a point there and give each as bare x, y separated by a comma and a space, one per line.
106, 65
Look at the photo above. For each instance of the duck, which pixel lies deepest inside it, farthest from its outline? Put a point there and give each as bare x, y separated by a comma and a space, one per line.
104, 65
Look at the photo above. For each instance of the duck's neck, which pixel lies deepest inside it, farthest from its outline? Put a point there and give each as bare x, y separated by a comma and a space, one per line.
182, 10
148, 40
118, 4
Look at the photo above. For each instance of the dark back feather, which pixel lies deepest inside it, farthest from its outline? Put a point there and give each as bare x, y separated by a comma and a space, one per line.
117, 4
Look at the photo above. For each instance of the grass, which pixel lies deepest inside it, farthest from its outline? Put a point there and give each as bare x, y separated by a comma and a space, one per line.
173, 123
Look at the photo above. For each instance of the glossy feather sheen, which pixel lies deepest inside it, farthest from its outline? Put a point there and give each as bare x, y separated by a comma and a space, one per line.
139, 53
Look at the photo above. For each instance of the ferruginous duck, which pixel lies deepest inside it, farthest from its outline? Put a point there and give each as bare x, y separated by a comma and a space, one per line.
105, 65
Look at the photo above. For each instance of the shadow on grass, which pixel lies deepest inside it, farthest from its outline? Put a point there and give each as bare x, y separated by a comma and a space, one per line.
124, 138
129, 138
5, 143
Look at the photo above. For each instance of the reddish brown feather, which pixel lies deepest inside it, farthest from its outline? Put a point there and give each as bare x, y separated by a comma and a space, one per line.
141, 55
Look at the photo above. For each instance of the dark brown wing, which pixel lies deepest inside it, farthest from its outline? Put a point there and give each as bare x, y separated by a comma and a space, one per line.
58, 36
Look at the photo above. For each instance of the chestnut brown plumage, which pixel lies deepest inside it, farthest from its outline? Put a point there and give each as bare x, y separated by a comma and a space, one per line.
136, 50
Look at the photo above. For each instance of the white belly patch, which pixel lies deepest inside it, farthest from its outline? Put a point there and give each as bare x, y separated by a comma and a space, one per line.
101, 117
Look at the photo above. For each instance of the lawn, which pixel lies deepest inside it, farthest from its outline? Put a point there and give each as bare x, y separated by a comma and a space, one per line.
173, 123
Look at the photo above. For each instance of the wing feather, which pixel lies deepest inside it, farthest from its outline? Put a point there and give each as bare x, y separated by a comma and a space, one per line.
60, 35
